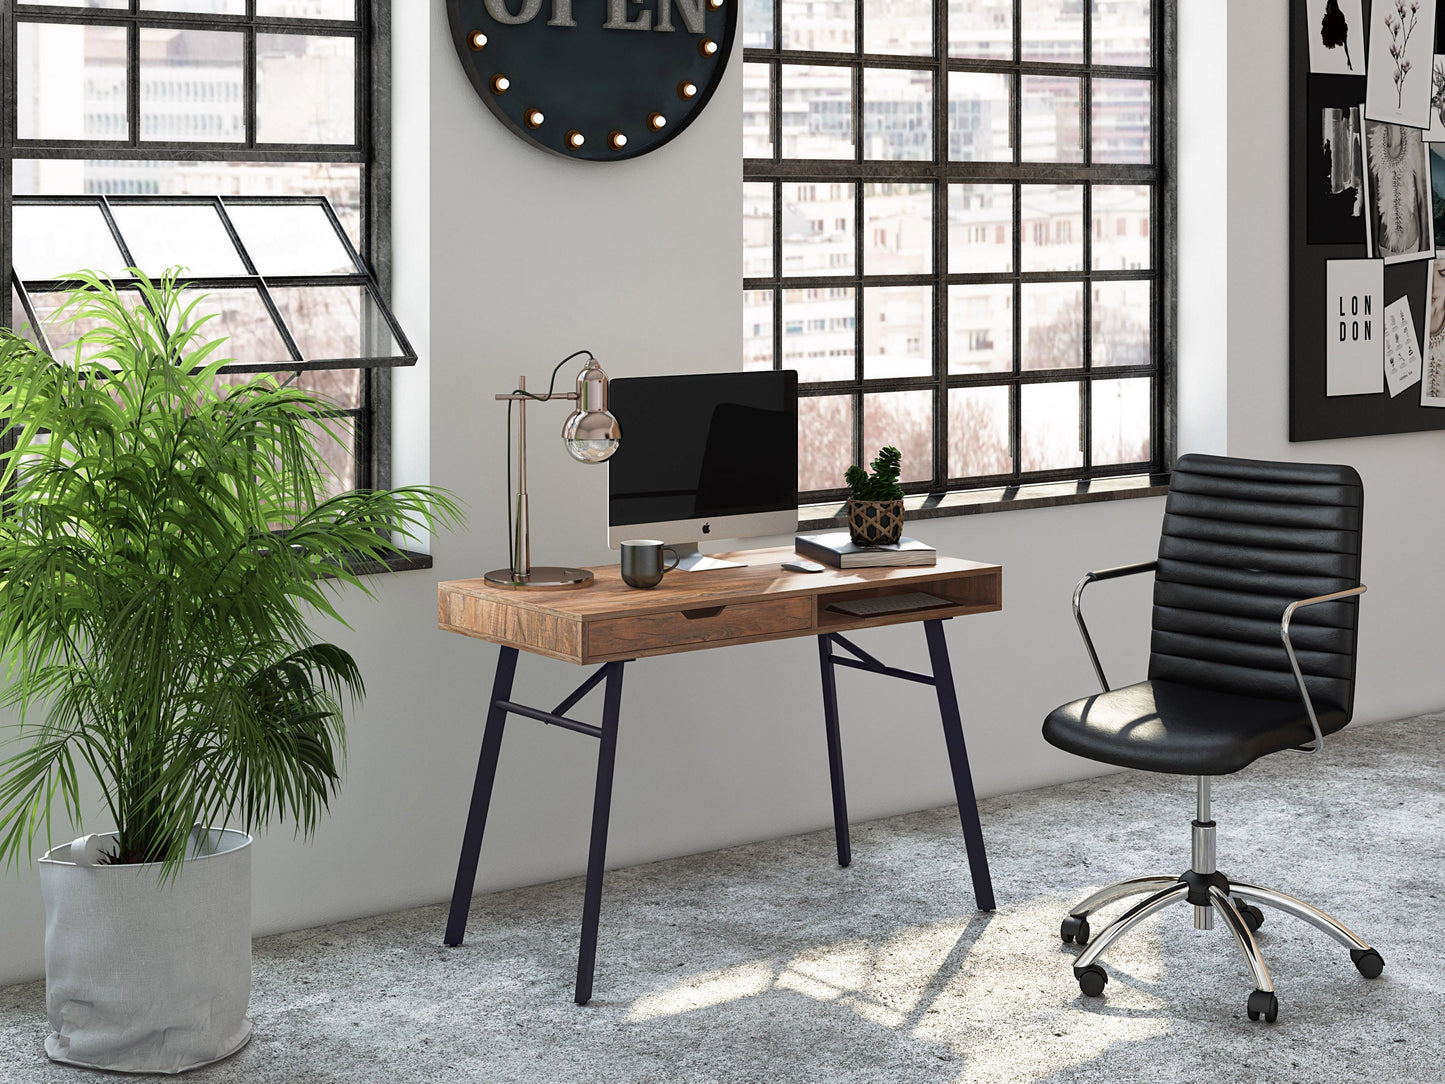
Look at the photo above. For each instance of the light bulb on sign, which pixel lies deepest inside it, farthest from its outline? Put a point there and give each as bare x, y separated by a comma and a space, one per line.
535, 62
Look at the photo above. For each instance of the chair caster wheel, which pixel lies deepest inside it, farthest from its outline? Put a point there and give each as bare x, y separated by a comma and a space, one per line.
1092, 979
1075, 929
1253, 916
1369, 962
1263, 1003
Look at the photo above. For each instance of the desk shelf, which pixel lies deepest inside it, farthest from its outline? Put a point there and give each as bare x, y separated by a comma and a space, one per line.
973, 594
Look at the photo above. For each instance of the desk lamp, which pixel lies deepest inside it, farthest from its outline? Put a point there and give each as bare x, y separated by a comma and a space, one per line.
590, 435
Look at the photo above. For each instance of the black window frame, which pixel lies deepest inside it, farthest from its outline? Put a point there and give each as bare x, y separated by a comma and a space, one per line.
370, 150
1159, 175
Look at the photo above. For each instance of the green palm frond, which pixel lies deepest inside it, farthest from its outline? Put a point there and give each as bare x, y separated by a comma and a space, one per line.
882, 484
165, 538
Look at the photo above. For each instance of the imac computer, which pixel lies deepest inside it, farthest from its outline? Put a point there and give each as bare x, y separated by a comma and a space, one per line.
704, 457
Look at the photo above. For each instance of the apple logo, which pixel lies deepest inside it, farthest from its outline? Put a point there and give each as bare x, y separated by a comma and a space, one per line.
707, 528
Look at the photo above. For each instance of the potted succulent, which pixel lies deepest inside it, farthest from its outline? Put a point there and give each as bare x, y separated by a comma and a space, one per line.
875, 501
164, 544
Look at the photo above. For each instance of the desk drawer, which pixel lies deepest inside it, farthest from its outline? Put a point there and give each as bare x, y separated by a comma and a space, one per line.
656, 633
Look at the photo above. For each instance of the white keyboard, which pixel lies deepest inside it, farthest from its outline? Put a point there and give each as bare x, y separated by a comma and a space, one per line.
889, 604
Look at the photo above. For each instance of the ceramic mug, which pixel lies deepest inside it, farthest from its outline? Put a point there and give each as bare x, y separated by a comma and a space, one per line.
642, 562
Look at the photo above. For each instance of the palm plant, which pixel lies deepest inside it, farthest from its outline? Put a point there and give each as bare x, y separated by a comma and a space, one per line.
165, 540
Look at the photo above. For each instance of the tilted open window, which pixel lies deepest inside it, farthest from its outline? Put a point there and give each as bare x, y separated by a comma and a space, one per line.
280, 278
277, 275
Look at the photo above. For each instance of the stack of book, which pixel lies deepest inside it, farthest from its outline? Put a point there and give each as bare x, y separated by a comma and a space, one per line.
836, 548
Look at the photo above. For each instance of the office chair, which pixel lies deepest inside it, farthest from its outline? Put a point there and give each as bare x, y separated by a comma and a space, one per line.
1253, 652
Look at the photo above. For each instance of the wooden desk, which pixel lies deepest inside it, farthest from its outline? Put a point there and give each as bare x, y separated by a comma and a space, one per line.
611, 624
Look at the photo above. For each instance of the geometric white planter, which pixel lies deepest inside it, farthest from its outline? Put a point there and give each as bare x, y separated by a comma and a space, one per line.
145, 977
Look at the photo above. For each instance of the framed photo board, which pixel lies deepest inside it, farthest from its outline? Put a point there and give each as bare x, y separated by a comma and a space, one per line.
1367, 217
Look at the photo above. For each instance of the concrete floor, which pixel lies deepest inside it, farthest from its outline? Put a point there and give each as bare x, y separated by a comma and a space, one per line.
769, 963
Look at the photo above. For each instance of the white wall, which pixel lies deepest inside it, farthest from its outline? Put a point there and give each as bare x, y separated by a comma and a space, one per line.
411, 227
530, 257
1204, 151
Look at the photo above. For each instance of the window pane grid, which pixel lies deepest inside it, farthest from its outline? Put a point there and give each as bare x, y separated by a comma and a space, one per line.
945, 64
162, 17
1049, 149
140, 64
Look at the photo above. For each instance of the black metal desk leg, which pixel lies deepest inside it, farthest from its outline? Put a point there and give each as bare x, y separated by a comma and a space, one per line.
835, 749
481, 797
597, 854
958, 760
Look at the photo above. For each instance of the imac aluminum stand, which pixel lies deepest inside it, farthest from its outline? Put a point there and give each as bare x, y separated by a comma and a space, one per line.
690, 560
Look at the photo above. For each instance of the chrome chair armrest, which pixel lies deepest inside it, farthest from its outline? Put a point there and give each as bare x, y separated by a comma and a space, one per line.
1090, 577
1294, 662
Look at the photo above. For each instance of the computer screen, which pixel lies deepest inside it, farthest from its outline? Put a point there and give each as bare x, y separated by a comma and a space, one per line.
704, 447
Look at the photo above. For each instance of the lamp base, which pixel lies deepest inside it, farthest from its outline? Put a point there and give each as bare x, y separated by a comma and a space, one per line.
541, 578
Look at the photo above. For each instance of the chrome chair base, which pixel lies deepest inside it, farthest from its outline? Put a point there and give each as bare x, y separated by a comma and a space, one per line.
1212, 894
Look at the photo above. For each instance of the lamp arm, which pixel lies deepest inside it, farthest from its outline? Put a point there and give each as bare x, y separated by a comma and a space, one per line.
1294, 662
1090, 577
526, 396
523, 393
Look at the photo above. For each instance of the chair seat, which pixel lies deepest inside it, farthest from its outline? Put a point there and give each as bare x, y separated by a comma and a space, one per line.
1164, 726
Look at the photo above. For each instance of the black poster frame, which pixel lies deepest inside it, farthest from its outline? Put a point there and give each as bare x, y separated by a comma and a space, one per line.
1312, 414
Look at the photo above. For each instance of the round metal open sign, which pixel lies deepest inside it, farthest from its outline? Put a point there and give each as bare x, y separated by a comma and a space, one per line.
595, 79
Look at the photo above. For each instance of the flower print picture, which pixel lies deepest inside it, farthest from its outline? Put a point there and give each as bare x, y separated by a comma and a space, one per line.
1337, 36
1398, 86
1400, 219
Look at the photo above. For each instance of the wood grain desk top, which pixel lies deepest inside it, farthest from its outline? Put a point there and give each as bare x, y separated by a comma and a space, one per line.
690, 611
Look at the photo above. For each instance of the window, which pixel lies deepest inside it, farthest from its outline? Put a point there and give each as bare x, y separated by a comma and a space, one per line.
971, 154
173, 124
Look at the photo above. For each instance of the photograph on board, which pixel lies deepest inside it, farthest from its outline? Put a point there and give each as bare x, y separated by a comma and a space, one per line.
1402, 49
1437, 188
1399, 204
1432, 386
1436, 132
1334, 182
1337, 36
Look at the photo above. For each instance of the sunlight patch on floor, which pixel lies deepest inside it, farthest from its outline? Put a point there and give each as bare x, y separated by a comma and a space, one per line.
880, 981
975, 997
705, 990
1017, 981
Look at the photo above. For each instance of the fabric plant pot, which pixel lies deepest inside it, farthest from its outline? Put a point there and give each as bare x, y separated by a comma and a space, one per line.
145, 976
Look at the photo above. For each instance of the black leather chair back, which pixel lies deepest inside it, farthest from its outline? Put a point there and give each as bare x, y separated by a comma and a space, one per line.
1242, 539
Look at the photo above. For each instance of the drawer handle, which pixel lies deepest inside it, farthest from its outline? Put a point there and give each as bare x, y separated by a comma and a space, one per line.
706, 611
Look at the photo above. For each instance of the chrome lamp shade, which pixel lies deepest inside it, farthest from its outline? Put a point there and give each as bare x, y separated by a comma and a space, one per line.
590, 433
